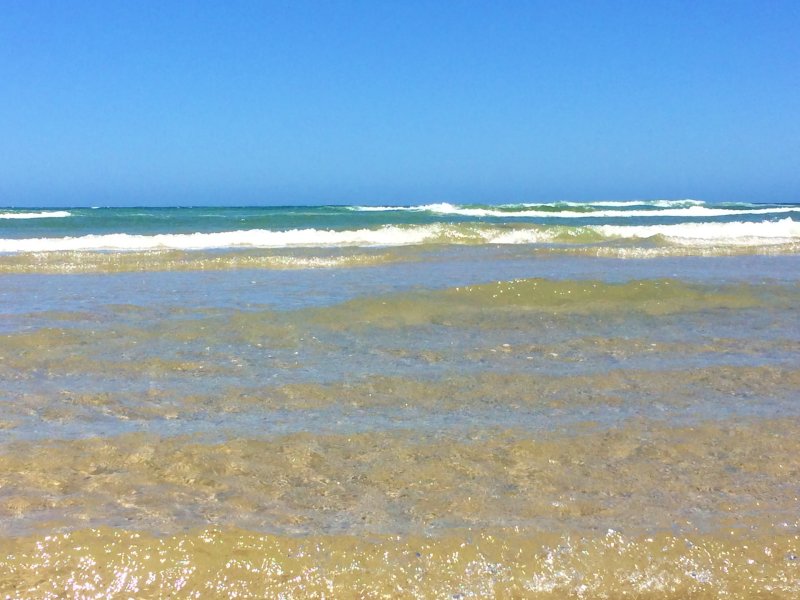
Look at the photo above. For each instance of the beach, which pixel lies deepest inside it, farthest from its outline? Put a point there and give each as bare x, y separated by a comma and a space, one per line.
588, 400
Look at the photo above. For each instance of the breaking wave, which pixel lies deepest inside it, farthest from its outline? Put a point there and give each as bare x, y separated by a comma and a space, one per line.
44, 214
535, 211
593, 210
737, 233
740, 234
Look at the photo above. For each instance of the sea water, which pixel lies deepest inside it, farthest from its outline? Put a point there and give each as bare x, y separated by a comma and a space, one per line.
530, 400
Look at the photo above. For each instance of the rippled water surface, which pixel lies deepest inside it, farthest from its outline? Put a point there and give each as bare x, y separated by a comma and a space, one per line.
433, 421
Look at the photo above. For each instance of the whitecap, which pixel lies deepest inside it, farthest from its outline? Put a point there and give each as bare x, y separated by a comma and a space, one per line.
689, 211
55, 214
736, 233
253, 238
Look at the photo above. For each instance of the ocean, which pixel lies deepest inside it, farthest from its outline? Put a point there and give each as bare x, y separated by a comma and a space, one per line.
584, 400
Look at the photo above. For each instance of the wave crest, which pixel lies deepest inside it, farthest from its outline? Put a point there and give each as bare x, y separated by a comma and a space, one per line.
44, 214
737, 233
742, 234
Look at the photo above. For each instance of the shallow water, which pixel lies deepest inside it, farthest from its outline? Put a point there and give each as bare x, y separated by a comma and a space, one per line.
445, 421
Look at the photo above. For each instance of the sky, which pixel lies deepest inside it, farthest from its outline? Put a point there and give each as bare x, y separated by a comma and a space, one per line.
165, 103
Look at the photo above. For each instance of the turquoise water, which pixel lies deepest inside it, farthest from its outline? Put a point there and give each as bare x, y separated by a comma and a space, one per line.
684, 222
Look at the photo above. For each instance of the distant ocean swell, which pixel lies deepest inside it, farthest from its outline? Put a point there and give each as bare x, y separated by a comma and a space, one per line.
719, 234
578, 211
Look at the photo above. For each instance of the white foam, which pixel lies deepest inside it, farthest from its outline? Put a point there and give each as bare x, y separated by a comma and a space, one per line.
254, 238
736, 233
384, 208
55, 214
768, 233
388, 235
657, 203
673, 208
446, 206
519, 236
688, 211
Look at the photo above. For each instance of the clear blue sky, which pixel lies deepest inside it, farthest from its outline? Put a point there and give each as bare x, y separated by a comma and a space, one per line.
397, 102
